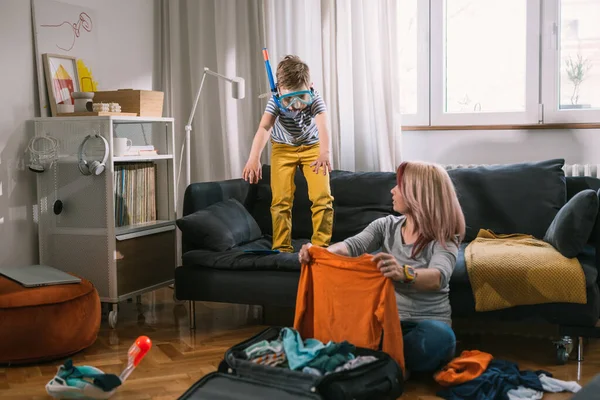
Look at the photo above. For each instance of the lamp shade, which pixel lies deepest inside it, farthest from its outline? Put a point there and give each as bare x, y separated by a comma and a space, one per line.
238, 88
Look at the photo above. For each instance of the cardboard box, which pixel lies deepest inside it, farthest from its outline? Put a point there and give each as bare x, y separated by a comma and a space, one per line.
144, 103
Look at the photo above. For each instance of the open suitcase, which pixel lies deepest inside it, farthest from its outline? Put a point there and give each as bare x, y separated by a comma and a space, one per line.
238, 378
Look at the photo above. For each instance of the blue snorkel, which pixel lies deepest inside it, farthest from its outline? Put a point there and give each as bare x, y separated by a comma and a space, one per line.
271, 80
269, 72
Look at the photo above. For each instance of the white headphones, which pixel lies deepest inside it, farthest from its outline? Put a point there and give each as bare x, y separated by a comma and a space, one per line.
95, 167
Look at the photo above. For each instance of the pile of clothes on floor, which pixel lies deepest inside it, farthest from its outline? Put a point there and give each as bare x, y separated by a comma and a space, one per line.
310, 356
478, 375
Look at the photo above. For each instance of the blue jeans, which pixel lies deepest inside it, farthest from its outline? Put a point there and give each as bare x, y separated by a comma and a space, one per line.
428, 345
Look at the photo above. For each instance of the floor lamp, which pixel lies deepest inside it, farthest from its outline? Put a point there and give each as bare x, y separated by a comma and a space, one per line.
238, 91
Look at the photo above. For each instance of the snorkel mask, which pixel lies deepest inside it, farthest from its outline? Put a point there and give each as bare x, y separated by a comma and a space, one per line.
289, 104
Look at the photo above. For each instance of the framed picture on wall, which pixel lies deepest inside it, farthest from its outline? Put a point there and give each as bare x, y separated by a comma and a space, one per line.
61, 79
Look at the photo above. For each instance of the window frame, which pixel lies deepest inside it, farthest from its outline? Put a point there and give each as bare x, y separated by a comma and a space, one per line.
542, 74
550, 80
421, 117
532, 74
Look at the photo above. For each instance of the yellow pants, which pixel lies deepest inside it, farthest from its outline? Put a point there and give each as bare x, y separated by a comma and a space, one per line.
284, 161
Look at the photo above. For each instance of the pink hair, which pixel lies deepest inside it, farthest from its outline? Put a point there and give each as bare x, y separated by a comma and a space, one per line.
432, 204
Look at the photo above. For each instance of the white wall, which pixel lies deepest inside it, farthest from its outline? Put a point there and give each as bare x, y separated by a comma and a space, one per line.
129, 46
499, 147
128, 39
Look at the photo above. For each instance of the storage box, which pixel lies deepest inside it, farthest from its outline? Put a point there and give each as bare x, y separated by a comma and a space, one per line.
144, 103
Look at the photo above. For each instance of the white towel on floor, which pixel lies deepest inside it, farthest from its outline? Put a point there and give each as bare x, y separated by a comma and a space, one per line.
556, 385
524, 393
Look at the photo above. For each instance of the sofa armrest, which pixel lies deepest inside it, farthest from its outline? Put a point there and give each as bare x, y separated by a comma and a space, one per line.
199, 196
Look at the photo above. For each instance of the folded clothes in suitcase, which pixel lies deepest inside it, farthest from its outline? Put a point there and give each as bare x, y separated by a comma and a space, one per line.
240, 378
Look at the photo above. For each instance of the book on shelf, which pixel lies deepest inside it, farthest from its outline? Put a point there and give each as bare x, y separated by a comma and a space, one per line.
146, 150
135, 193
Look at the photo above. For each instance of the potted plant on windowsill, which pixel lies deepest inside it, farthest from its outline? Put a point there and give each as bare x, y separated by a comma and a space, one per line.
576, 71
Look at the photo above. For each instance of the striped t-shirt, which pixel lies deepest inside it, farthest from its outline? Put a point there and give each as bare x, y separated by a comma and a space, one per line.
300, 130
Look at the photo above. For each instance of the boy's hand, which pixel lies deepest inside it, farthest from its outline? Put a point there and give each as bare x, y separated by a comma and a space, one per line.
252, 171
322, 161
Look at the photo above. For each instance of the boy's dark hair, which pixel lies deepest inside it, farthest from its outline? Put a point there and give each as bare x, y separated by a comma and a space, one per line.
292, 73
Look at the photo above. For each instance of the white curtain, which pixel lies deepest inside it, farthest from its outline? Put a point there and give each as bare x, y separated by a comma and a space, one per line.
360, 60
351, 47
227, 37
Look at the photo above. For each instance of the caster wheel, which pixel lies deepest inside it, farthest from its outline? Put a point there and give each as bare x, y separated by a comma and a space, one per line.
564, 347
562, 356
112, 319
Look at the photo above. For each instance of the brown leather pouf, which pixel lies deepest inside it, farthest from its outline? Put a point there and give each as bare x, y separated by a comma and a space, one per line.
46, 323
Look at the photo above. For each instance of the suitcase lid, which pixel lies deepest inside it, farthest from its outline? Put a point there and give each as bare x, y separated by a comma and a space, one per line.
220, 386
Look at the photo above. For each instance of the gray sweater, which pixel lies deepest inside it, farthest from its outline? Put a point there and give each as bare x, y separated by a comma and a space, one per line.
385, 234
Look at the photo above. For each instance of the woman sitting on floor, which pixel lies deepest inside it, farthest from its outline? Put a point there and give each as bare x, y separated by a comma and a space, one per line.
425, 238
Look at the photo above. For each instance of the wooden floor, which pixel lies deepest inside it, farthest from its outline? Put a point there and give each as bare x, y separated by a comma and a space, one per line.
179, 358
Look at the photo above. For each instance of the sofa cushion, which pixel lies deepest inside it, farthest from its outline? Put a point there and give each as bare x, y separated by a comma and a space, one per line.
359, 198
219, 227
301, 214
513, 198
576, 184
572, 226
237, 259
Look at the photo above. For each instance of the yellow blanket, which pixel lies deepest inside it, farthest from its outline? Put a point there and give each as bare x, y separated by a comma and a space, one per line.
512, 270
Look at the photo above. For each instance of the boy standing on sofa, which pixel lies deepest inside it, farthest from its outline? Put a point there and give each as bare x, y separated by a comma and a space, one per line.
298, 131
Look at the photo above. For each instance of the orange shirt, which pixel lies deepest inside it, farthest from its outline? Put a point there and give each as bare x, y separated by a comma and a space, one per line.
347, 298
468, 366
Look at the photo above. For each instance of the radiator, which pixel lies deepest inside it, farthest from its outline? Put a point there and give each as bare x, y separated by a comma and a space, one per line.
592, 170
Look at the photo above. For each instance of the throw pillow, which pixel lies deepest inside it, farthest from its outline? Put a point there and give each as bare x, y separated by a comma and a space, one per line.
572, 226
511, 198
220, 226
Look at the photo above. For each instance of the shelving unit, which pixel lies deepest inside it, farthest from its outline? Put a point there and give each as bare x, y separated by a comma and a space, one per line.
84, 238
143, 158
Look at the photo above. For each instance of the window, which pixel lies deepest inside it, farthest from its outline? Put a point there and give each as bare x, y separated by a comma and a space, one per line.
484, 62
571, 61
408, 56
481, 62
413, 38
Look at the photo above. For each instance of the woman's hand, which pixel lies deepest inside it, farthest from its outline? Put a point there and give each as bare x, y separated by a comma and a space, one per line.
303, 255
389, 267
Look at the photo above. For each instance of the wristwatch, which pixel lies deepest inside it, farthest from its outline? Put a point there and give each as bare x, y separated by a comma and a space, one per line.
409, 274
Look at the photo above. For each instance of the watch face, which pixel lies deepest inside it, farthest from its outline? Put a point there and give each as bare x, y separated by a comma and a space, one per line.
409, 272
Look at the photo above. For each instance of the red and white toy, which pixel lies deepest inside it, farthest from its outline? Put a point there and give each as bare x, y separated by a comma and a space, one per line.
87, 382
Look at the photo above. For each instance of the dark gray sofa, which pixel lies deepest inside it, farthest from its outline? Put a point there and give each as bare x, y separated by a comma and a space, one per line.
517, 198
